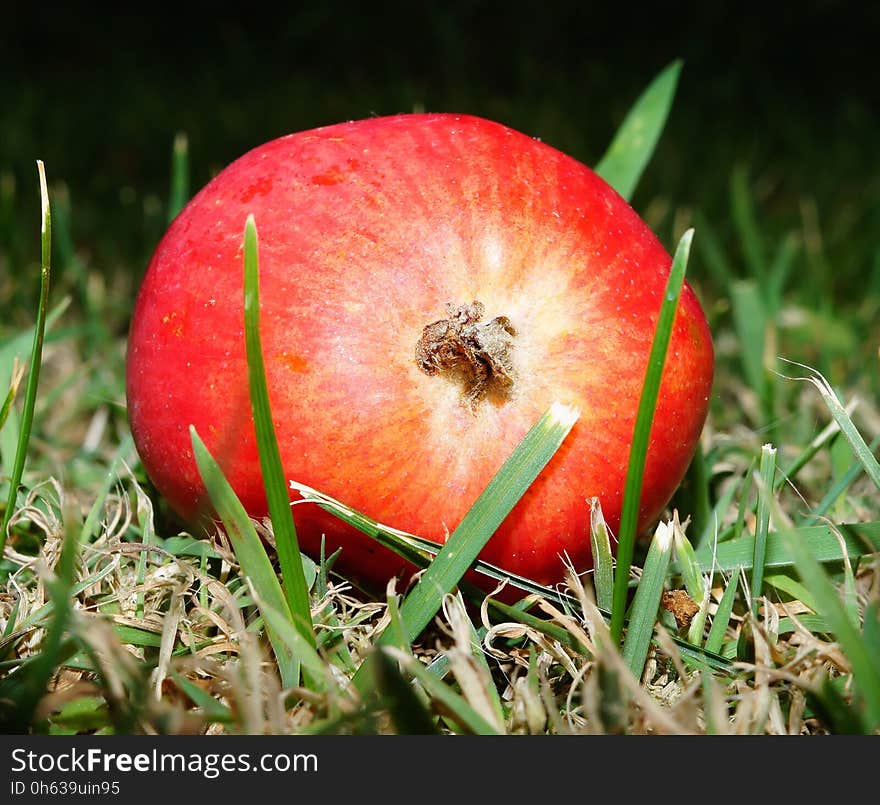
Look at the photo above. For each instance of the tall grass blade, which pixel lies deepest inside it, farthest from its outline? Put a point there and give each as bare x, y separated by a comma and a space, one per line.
414, 549
314, 668
697, 494
631, 148
712, 253
642, 433
762, 524
275, 485
751, 323
30, 397
249, 550
647, 600
688, 566
806, 456
721, 621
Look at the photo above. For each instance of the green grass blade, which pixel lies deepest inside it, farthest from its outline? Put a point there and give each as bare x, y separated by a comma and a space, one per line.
314, 668
407, 711
696, 493
483, 518
827, 703
415, 549
806, 456
249, 551
865, 671
780, 269
603, 559
751, 322
710, 528
762, 524
871, 631
647, 600
838, 411
795, 589
859, 539
712, 253
722, 615
631, 148
277, 496
395, 625
846, 480
642, 433
489, 510
455, 705
687, 563
211, 707
30, 397
179, 194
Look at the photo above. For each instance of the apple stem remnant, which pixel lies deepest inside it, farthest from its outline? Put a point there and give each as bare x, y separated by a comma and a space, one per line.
475, 353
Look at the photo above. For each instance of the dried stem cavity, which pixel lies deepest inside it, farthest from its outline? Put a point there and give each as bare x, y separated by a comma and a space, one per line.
475, 353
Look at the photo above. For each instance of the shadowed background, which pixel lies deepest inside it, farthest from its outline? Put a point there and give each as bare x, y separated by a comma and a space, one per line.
790, 95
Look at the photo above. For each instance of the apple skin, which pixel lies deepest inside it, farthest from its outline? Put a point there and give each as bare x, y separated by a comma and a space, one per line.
367, 230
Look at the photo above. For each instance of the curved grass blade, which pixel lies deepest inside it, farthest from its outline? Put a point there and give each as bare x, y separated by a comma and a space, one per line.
838, 411
277, 498
30, 397
631, 148
249, 551
642, 433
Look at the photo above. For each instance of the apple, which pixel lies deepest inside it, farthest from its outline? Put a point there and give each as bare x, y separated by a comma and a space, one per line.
430, 285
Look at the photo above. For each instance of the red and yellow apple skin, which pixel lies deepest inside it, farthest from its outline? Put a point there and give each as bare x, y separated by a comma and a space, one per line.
368, 232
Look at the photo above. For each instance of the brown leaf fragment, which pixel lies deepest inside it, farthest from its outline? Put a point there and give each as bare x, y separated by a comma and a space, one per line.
681, 605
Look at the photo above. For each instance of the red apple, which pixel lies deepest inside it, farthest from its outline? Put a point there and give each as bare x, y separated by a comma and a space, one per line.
430, 284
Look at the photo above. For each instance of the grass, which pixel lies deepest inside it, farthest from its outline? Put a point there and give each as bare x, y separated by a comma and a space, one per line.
754, 608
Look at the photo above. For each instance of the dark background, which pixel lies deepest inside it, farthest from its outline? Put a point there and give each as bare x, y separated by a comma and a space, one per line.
789, 91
